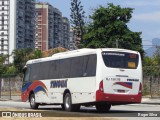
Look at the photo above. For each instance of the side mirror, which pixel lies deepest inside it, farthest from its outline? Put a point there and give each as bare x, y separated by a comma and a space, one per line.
24, 69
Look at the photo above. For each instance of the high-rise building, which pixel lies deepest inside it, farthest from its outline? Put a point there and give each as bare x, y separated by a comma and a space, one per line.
72, 45
17, 24
58, 28
66, 33
4, 26
49, 27
42, 35
74, 39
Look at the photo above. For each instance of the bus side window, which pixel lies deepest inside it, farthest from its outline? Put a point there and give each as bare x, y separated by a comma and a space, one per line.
91, 65
64, 68
85, 64
76, 67
44, 68
53, 69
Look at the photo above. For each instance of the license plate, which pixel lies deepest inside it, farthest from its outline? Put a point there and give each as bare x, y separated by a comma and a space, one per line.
121, 91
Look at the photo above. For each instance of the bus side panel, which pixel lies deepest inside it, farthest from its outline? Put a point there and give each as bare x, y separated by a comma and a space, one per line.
42, 97
39, 88
54, 91
82, 89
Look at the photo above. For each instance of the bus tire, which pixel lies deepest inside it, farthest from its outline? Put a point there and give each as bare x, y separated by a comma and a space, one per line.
103, 107
33, 104
68, 106
68, 103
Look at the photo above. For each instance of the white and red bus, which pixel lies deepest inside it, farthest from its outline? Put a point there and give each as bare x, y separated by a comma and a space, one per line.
98, 77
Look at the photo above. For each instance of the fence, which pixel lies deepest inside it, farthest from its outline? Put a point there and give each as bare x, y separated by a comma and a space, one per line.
151, 81
10, 87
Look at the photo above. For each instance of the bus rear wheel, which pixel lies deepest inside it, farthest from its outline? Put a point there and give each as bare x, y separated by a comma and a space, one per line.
33, 104
68, 106
103, 107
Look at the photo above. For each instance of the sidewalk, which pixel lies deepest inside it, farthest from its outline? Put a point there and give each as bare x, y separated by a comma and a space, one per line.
13, 98
155, 101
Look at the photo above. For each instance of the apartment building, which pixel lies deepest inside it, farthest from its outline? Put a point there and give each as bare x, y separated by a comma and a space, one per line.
4, 26
66, 33
74, 39
25, 24
17, 25
49, 27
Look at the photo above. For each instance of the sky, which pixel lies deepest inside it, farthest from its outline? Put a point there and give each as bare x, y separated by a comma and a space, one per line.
145, 17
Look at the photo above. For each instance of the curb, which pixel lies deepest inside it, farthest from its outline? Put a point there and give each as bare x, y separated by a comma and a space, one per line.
150, 103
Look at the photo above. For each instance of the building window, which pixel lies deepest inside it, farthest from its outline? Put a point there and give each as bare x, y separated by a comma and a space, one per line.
39, 13
3, 22
2, 18
2, 8
2, 2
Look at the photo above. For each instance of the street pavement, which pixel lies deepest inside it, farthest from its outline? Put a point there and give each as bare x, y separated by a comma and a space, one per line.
145, 100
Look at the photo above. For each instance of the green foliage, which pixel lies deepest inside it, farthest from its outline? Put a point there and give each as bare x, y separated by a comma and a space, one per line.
23, 55
156, 57
77, 17
11, 70
151, 66
145, 90
2, 64
108, 26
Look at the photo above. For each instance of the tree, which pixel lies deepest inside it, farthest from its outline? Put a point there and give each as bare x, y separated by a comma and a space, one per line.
35, 54
11, 70
156, 56
151, 66
108, 28
77, 18
21, 56
2, 65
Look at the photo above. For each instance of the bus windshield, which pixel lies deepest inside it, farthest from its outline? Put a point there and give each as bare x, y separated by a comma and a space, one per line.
26, 74
122, 60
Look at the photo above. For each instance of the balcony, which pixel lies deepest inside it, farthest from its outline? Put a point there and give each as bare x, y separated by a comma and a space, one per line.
4, 39
4, 4
4, 24
4, 29
4, 14
4, 49
4, 9
4, 19
4, 45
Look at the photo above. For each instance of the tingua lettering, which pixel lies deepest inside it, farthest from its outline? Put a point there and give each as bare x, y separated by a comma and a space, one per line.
58, 84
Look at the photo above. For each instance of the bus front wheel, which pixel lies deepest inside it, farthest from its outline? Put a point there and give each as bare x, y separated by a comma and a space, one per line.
68, 106
33, 104
103, 107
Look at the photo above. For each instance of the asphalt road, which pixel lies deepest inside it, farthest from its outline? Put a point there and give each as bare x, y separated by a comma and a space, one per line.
123, 111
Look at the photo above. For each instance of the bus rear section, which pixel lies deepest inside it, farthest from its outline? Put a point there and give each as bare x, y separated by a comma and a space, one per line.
121, 81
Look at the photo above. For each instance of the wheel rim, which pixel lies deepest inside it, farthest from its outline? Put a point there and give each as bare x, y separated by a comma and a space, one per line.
67, 102
32, 101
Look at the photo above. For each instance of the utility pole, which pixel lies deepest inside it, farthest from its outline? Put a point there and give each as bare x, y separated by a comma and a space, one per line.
117, 43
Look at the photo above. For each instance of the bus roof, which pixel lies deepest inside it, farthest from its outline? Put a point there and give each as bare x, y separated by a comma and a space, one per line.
78, 52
